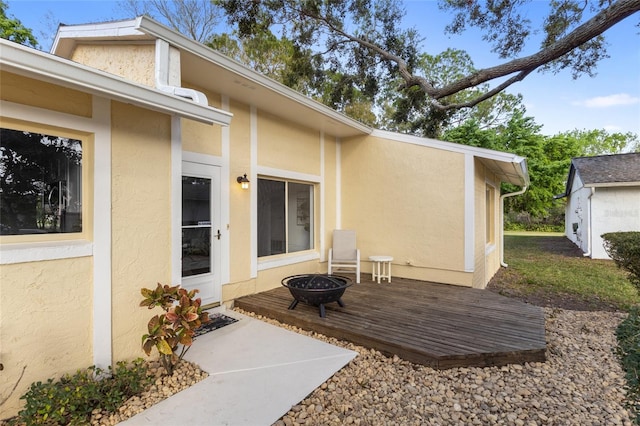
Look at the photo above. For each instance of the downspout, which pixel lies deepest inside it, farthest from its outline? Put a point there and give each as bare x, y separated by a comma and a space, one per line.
588, 252
502, 197
163, 77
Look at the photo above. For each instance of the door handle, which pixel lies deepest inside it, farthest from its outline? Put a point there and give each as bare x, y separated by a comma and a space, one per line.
218, 235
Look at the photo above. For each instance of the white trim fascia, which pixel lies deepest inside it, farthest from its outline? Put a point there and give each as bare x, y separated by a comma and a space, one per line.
102, 261
32, 63
64, 41
338, 184
47, 117
45, 250
50, 250
151, 27
288, 260
176, 200
611, 184
469, 212
206, 159
253, 221
489, 154
322, 196
225, 198
288, 174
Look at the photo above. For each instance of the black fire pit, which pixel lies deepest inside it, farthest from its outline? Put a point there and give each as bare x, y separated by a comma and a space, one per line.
316, 289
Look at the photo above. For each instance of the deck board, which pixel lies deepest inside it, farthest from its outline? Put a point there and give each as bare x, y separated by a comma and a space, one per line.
438, 325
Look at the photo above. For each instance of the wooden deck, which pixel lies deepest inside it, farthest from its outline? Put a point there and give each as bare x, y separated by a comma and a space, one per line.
438, 325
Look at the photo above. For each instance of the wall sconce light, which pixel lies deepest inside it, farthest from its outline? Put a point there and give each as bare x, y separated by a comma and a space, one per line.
243, 181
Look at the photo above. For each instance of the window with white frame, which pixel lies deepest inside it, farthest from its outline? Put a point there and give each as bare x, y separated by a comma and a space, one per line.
285, 216
40, 183
490, 215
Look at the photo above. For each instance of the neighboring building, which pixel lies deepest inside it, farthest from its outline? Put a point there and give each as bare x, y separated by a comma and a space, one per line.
603, 195
132, 139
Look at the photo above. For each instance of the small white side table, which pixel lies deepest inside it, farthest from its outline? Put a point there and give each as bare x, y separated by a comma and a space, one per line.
385, 261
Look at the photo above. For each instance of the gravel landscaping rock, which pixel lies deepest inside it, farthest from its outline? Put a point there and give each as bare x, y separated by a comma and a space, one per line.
184, 375
580, 384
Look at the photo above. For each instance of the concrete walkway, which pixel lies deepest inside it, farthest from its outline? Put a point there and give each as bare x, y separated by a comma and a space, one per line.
257, 372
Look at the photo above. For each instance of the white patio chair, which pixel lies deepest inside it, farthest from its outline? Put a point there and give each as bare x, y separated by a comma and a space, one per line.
344, 255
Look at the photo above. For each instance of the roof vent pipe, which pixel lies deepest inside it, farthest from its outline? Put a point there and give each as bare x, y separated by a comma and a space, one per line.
162, 74
502, 197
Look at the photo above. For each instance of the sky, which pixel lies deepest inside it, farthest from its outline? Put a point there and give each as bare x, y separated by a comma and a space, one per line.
609, 101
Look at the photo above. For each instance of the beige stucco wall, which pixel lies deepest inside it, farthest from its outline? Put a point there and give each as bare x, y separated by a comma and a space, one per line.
486, 255
268, 279
45, 323
240, 200
56, 297
44, 95
132, 61
200, 137
141, 219
406, 201
46, 307
287, 146
331, 148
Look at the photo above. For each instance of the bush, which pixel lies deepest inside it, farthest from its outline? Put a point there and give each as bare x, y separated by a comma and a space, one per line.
172, 333
71, 399
628, 334
624, 249
523, 221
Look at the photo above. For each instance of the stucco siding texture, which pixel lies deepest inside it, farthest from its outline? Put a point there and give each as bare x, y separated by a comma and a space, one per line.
327, 219
240, 200
406, 201
200, 137
287, 146
43, 95
486, 253
141, 219
133, 62
45, 323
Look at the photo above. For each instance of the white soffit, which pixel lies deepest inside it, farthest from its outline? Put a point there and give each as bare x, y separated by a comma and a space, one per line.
509, 167
208, 69
68, 36
32, 63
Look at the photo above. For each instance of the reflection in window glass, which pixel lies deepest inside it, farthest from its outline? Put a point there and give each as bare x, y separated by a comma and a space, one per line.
285, 217
196, 226
40, 183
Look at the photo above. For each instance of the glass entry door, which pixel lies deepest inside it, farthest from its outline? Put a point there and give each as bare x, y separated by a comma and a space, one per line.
201, 230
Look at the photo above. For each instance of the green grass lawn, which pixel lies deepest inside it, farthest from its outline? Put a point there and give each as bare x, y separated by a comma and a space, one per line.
552, 266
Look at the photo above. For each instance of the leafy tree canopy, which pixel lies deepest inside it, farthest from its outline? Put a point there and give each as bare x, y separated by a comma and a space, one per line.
548, 157
13, 30
363, 38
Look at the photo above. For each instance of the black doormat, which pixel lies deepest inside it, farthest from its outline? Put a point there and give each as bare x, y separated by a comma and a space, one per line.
217, 321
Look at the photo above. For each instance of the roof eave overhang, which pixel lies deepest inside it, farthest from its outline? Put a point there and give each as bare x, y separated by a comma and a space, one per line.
510, 168
610, 184
29, 62
346, 125
68, 36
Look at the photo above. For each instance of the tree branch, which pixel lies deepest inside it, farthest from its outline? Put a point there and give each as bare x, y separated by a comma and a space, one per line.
602, 21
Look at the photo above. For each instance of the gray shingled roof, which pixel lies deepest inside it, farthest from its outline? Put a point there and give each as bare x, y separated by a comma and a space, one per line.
608, 168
